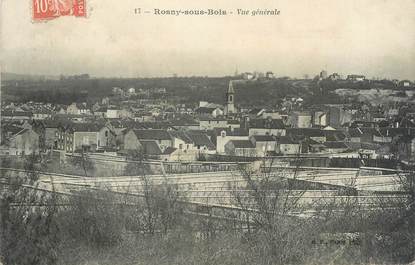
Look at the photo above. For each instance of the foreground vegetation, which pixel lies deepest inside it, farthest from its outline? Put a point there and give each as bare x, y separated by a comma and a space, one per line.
159, 227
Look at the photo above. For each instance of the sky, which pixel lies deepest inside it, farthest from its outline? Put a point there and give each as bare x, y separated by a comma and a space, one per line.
371, 37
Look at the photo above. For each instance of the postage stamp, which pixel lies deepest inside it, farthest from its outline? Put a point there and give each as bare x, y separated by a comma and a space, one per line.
50, 9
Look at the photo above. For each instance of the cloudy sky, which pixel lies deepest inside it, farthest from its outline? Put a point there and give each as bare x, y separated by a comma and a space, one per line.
372, 37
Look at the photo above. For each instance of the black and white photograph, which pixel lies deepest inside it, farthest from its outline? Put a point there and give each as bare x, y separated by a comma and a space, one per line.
175, 132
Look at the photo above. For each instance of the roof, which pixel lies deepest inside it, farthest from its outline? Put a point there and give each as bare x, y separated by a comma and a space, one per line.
169, 150
150, 147
366, 146
241, 143
336, 145
266, 124
264, 138
51, 123
306, 132
230, 132
286, 140
152, 134
85, 127
22, 132
16, 113
334, 135
181, 135
205, 110
256, 111
201, 140
10, 129
213, 119
358, 132
233, 122
230, 88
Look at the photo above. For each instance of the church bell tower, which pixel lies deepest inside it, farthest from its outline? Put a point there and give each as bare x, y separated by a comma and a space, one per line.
230, 100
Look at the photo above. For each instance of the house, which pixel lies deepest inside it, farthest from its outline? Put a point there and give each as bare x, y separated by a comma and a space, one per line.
209, 111
50, 133
162, 137
117, 91
202, 142
151, 149
106, 137
240, 148
41, 114
335, 147
406, 148
288, 146
16, 115
361, 135
267, 126
301, 119
382, 136
405, 83
224, 135
264, 144
181, 140
248, 76
311, 146
101, 112
356, 78
131, 91
212, 123
271, 114
113, 113
334, 77
320, 118
78, 136
338, 115
269, 75
191, 144
78, 109
19, 141
256, 113
131, 140
315, 134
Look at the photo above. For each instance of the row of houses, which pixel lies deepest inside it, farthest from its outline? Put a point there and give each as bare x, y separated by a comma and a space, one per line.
187, 141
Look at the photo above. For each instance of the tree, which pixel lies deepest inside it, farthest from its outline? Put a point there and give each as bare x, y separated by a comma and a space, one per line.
28, 227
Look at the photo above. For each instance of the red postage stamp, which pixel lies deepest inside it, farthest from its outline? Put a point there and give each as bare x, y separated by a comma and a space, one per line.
50, 9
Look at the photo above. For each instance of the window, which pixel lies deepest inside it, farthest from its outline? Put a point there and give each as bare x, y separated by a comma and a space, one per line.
106, 133
180, 146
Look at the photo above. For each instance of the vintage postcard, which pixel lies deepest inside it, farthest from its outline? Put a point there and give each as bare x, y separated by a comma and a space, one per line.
207, 132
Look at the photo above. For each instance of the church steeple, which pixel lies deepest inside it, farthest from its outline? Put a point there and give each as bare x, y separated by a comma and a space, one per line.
230, 100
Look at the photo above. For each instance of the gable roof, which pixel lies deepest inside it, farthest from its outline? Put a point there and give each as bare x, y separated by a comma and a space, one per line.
205, 110
182, 136
242, 143
266, 124
201, 139
150, 147
169, 150
152, 134
358, 132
